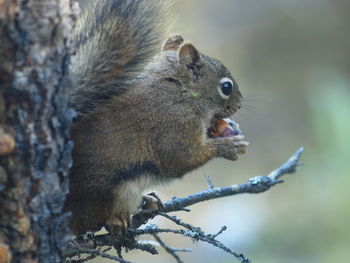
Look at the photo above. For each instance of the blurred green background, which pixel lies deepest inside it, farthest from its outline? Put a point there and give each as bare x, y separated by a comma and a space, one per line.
291, 59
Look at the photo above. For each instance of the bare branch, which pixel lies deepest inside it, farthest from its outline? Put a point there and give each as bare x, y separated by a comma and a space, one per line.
254, 185
200, 235
193, 232
178, 221
97, 252
168, 249
89, 257
289, 166
220, 232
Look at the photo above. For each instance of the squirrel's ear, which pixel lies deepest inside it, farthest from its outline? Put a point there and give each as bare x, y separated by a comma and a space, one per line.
189, 56
173, 43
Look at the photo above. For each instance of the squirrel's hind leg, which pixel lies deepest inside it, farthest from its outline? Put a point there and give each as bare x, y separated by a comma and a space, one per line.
118, 224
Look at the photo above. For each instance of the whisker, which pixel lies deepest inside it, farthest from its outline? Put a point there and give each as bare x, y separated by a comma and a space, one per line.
249, 106
252, 99
239, 114
249, 109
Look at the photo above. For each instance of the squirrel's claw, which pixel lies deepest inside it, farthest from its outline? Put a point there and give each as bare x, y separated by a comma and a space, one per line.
118, 224
151, 202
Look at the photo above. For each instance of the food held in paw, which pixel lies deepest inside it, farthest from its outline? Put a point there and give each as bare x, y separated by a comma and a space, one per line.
224, 128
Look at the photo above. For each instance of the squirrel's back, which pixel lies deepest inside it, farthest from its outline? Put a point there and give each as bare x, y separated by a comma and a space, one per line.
114, 40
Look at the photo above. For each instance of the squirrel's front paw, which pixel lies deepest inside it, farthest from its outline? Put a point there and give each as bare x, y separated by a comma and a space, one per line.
151, 202
230, 147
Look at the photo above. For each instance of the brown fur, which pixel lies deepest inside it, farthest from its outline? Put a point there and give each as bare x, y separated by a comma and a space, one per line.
153, 132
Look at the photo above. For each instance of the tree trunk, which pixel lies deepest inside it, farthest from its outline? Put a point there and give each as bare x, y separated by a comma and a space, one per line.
34, 88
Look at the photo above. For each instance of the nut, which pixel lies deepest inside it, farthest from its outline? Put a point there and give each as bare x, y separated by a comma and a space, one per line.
224, 128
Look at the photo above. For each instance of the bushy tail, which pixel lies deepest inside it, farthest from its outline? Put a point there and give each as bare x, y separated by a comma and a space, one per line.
113, 40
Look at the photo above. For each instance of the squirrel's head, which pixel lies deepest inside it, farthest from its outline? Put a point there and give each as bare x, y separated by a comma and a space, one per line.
207, 80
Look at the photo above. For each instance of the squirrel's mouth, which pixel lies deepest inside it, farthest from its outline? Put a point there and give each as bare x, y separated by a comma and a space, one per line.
223, 128
222, 125
226, 113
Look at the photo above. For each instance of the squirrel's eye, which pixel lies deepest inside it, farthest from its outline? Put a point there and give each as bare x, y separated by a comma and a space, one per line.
225, 87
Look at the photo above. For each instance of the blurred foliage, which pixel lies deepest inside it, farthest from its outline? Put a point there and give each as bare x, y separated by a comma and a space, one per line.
291, 59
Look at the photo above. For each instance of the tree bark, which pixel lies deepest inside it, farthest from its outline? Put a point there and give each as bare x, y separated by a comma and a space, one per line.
34, 86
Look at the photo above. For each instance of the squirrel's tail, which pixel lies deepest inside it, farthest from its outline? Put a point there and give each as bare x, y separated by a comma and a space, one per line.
113, 41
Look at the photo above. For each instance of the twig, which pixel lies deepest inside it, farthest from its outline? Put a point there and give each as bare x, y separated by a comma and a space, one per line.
208, 179
180, 223
82, 250
195, 233
168, 249
91, 256
205, 237
209, 182
289, 166
220, 232
144, 247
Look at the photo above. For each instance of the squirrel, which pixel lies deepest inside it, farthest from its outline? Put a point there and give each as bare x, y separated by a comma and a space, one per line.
143, 110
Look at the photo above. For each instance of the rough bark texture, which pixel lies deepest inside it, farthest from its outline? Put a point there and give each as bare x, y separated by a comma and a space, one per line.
33, 178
